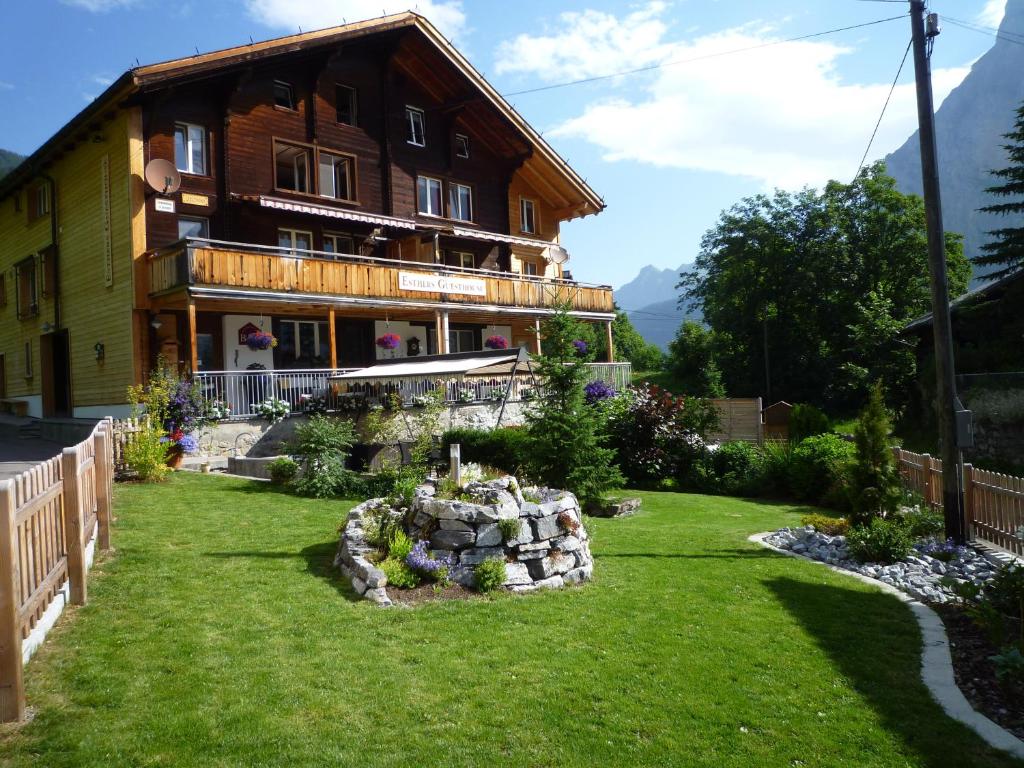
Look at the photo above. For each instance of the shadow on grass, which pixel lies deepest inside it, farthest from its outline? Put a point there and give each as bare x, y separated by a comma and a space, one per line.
319, 562
873, 641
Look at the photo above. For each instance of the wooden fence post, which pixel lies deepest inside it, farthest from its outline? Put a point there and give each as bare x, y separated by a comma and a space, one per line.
969, 498
926, 467
455, 471
104, 473
74, 522
12, 686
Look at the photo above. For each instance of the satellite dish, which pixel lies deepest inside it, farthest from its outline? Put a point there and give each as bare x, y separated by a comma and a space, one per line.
162, 176
557, 254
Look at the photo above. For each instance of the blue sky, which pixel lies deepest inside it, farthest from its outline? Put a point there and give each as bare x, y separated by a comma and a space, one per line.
668, 149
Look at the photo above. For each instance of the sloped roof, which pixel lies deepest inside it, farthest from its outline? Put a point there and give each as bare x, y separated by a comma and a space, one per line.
155, 75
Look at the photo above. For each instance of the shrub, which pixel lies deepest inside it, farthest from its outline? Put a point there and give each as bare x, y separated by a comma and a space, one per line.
776, 468
831, 526
146, 454
1009, 666
379, 525
923, 522
282, 470
806, 421
1006, 592
509, 528
737, 469
399, 574
817, 471
882, 541
322, 445
399, 545
490, 574
507, 448
875, 480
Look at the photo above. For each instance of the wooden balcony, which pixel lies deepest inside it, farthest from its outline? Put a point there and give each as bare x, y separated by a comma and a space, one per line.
212, 264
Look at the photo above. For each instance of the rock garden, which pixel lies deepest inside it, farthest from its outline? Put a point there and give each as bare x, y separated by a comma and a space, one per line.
482, 535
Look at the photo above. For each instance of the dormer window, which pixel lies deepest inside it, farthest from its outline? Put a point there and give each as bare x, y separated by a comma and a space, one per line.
284, 95
415, 125
462, 146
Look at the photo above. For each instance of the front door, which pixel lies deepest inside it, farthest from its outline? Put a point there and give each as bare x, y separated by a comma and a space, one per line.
55, 364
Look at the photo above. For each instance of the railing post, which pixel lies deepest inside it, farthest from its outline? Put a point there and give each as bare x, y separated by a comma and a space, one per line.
74, 523
12, 685
969, 499
104, 473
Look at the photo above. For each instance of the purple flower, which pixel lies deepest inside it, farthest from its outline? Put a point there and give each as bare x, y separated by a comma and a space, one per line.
419, 560
581, 346
596, 391
188, 444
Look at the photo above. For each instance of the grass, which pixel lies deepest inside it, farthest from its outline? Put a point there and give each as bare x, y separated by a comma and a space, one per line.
218, 635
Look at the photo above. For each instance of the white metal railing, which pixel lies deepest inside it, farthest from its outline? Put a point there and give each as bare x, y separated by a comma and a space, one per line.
311, 389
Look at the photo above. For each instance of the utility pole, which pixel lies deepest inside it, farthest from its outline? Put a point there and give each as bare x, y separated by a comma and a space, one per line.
952, 467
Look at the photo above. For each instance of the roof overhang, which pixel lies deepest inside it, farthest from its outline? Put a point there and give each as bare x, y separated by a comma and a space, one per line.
493, 363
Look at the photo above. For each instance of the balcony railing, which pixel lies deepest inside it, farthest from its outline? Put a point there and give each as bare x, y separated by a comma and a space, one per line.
311, 389
213, 263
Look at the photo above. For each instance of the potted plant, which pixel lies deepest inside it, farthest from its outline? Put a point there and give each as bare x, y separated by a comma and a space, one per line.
178, 444
496, 342
259, 340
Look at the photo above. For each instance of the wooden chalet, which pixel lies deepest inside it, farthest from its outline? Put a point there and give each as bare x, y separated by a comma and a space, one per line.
335, 186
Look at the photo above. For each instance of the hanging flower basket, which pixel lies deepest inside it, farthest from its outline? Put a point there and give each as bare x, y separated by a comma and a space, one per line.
496, 342
260, 340
389, 341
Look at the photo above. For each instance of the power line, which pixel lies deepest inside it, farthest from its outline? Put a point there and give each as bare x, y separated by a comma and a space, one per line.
661, 65
1009, 37
885, 106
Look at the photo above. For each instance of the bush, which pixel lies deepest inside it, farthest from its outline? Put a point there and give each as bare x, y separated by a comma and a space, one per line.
399, 545
379, 525
282, 470
776, 468
806, 421
818, 470
737, 469
146, 454
923, 522
322, 445
509, 528
507, 448
882, 541
875, 481
490, 574
399, 574
830, 526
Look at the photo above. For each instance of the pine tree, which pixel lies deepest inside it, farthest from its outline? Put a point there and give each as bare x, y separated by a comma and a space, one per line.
1007, 247
876, 488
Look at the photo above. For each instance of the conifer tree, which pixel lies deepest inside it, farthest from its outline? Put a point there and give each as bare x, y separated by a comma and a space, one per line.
876, 486
1007, 246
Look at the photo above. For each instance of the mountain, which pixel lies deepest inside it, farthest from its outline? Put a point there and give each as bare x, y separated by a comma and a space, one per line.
650, 299
8, 161
969, 129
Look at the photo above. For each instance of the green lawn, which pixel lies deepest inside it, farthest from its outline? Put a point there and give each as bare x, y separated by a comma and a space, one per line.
217, 635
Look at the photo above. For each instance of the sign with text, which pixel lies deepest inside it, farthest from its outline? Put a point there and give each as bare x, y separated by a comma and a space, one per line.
419, 281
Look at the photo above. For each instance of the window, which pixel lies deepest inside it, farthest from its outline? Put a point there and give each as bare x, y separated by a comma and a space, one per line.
193, 226
462, 340
42, 200
28, 292
428, 196
462, 145
284, 95
205, 352
295, 239
465, 260
345, 102
335, 176
302, 344
339, 243
527, 216
190, 148
529, 267
28, 359
3, 289
460, 202
291, 167
417, 135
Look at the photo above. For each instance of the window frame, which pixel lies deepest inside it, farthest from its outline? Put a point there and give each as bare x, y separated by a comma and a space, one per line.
527, 265
29, 367
293, 249
309, 153
317, 340
204, 220
462, 140
461, 257
336, 236
410, 126
293, 101
312, 153
32, 294
453, 188
440, 184
523, 202
457, 333
350, 173
190, 170
353, 104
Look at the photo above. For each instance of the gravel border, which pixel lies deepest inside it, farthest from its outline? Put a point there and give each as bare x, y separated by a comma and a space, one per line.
936, 662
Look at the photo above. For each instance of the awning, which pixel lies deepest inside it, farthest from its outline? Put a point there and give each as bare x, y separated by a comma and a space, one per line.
495, 237
499, 362
336, 213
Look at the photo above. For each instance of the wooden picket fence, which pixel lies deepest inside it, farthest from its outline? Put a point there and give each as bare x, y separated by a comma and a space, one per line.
47, 518
123, 431
994, 503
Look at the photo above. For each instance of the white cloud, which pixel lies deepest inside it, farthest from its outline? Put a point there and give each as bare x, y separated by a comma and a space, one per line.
4, 86
781, 115
992, 14
289, 15
100, 6
102, 80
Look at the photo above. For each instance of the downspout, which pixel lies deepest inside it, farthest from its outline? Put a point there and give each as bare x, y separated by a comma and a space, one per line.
56, 250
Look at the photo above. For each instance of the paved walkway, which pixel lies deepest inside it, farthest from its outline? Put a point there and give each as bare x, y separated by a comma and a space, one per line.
17, 455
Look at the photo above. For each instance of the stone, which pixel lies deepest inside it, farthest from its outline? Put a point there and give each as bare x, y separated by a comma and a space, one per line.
517, 574
555, 582
566, 543
488, 535
454, 525
425, 490
578, 575
445, 539
525, 535
358, 585
422, 519
546, 527
615, 508
368, 572
478, 555
524, 556
524, 588
463, 575
379, 596
530, 509
551, 565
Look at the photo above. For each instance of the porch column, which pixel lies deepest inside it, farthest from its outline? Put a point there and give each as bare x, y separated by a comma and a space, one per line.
333, 335
444, 332
437, 333
536, 337
193, 346
611, 345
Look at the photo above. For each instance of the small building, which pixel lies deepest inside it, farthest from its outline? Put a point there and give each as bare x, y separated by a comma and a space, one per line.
776, 420
281, 207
